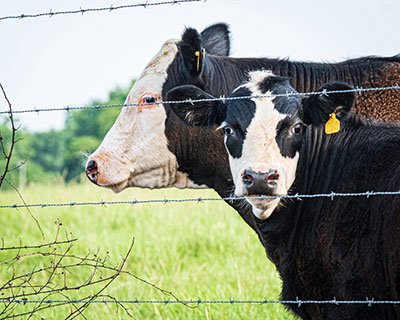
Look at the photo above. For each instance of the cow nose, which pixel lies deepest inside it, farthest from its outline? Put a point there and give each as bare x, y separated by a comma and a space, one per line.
91, 171
260, 182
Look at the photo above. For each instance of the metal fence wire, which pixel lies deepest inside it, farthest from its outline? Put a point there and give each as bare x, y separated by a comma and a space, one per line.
368, 302
111, 8
332, 195
193, 101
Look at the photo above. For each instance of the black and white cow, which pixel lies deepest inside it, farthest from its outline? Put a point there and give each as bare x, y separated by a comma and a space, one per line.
150, 147
346, 248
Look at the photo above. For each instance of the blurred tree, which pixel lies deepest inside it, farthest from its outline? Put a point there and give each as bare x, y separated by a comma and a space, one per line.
47, 156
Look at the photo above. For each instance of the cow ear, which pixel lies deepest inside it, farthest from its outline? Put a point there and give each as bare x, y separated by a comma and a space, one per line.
205, 113
194, 47
316, 109
192, 53
216, 40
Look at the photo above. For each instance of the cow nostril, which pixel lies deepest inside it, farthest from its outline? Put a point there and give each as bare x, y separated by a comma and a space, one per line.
91, 170
91, 164
272, 176
247, 178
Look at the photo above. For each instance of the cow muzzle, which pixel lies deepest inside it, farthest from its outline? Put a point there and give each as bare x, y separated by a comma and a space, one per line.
260, 183
105, 171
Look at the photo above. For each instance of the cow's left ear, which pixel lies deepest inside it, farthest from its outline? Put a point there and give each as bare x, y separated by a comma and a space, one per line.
205, 113
317, 109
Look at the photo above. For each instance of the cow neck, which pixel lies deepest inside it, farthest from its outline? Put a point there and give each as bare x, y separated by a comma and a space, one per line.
223, 74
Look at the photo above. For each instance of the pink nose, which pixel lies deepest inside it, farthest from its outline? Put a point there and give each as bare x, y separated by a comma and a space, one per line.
91, 171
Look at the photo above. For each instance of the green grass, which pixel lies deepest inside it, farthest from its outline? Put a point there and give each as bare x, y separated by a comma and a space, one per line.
195, 250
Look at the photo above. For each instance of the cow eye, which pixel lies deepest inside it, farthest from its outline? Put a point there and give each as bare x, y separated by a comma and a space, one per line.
297, 129
149, 99
228, 130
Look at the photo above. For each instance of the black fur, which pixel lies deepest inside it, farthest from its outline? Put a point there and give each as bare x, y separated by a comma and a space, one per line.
338, 103
196, 114
200, 152
216, 40
347, 248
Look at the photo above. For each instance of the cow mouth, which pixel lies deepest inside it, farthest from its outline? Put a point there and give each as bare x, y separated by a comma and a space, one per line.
116, 187
260, 198
262, 202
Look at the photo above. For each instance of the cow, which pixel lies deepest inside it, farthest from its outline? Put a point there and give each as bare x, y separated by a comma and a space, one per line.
324, 249
150, 147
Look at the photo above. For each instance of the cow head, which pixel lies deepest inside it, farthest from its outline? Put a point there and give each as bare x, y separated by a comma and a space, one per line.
135, 150
263, 136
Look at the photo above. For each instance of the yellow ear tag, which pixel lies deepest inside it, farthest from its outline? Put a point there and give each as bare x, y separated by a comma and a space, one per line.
202, 56
332, 125
197, 54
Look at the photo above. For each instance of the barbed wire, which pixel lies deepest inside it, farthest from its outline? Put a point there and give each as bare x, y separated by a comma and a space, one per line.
111, 8
367, 301
299, 197
193, 101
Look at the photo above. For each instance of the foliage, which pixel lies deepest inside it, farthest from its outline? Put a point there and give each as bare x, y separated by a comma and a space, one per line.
47, 156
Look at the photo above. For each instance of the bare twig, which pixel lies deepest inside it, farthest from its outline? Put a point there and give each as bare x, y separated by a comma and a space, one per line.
81, 309
38, 246
7, 154
42, 285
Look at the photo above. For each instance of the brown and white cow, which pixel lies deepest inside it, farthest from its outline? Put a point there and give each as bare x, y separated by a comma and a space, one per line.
151, 147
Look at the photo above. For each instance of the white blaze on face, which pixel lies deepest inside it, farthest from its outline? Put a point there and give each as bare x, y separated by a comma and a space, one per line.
261, 152
134, 152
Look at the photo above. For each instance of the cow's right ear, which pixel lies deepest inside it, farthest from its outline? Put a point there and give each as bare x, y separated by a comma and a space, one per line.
194, 47
206, 113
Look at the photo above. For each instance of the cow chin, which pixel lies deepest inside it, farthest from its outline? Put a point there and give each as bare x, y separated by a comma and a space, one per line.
117, 188
263, 208
115, 185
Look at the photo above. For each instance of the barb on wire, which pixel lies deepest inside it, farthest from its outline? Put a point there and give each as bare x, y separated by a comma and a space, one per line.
81, 10
368, 302
332, 195
192, 101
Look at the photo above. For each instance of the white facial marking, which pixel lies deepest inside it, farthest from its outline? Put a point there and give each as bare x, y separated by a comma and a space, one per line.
261, 152
135, 153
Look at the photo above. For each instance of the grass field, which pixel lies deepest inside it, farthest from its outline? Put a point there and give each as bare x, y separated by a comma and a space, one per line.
195, 250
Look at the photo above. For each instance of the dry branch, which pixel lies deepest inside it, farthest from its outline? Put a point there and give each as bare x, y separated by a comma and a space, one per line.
7, 154
29, 293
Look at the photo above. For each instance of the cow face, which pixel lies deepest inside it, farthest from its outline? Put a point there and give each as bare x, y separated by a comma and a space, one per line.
264, 136
135, 151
